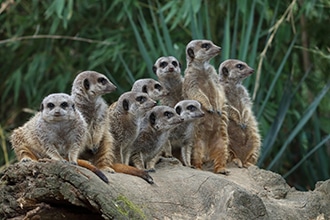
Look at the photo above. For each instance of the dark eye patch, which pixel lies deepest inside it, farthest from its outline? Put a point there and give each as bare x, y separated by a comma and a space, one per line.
102, 80
50, 105
206, 45
240, 66
163, 64
64, 105
168, 114
191, 108
158, 86
141, 99
174, 63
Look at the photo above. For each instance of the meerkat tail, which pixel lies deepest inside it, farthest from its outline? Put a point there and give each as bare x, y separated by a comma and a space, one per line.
123, 168
94, 169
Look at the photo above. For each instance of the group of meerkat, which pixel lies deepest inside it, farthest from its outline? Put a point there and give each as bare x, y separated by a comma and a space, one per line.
202, 117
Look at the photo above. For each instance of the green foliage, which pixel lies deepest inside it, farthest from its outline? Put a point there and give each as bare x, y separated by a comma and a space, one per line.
44, 44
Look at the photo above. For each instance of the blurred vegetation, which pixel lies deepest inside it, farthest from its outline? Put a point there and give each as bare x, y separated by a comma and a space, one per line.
44, 44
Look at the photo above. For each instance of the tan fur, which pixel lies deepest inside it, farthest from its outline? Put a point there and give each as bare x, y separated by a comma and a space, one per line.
245, 140
168, 71
150, 86
154, 133
201, 83
182, 136
87, 90
125, 120
56, 132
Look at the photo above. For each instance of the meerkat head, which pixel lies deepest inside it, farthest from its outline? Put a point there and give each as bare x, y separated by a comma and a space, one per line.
201, 51
167, 67
234, 71
57, 107
135, 103
163, 118
150, 86
92, 84
189, 110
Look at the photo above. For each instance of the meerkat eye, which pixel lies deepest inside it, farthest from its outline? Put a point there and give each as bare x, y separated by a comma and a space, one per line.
141, 99
158, 87
240, 66
191, 108
102, 80
64, 105
50, 105
168, 114
178, 110
163, 64
174, 63
206, 46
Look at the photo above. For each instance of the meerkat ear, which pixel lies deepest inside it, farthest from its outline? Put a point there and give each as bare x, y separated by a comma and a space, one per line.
41, 108
190, 52
152, 118
225, 71
73, 107
144, 89
125, 104
178, 110
86, 84
154, 69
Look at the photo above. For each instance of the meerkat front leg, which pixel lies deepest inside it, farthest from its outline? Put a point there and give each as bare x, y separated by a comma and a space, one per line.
53, 154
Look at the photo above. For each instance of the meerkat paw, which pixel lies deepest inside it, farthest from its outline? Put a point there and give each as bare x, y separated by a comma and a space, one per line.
45, 160
151, 170
222, 170
219, 112
238, 162
247, 164
108, 169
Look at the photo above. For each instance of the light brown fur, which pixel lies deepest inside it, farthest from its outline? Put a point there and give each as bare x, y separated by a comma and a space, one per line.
125, 119
182, 136
87, 90
154, 133
57, 132
168, 71
201, 83
150, 86
245, 140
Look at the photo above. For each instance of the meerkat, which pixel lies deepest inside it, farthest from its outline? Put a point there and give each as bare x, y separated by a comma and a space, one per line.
125, 119
154, 132
150, 86
87, 90
168, 71
244, 136
182, 136
201, 83
56, 132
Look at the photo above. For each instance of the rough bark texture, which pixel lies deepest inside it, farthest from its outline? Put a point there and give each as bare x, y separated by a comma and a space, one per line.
55, 190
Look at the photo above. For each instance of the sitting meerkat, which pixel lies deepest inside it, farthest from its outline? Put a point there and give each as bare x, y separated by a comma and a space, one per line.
150, 86
182, 136
201, 83
87, 90
154, 132
57, 132
244, 137
168, 71
125, 119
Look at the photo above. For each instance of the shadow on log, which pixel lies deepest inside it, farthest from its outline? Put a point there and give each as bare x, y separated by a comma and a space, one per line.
55, 190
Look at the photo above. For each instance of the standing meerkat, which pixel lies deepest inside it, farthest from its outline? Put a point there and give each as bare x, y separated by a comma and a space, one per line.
125, 119
168, 71
154, 132
56, 132
150, 86
244, 137
87, 90
182, 136
201, 83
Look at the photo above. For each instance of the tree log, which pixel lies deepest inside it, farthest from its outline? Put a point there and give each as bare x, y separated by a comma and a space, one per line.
57, 190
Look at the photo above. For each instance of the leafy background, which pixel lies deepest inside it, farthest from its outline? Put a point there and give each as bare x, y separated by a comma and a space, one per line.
44, 44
